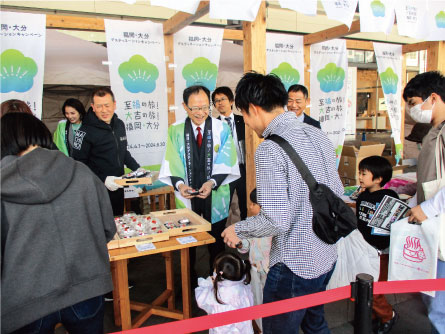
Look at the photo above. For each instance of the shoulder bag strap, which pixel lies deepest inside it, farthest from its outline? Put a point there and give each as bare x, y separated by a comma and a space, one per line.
440, 159
296, 159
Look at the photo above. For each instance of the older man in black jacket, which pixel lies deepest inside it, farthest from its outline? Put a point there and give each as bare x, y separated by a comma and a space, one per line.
101, 144
298, 99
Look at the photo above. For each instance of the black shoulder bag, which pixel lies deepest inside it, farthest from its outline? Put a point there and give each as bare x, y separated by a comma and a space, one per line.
332, 218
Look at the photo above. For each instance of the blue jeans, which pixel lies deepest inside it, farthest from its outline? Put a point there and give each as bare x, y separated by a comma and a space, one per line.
436, 305
86, 317
281, 284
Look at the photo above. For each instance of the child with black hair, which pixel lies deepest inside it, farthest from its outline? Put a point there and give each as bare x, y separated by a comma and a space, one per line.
228, 289
374, 173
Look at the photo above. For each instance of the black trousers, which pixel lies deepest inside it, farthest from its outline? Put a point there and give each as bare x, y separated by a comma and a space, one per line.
117, 201
240, 187
202, 207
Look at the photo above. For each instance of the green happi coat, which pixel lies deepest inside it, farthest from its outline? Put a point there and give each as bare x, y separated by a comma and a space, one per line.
224, 161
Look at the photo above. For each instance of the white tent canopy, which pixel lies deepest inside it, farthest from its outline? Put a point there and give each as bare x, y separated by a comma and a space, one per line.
73, 61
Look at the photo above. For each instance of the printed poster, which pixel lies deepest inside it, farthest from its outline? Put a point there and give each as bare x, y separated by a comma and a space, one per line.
138, 81
197, 52
187, 6
307, 7
285, 58
435, 20
376, 15
411, 18
245, 10
340, 10
22, 58
329, 70
389, 64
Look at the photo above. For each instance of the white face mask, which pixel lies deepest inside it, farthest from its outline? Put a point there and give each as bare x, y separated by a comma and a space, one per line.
421, 115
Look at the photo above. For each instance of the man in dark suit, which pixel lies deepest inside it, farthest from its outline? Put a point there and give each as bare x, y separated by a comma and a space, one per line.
222, 99
297, 101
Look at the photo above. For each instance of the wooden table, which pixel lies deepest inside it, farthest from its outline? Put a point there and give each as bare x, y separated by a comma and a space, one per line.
122, 304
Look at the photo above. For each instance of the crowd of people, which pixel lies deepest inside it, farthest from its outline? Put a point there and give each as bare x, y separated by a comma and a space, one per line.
59, 196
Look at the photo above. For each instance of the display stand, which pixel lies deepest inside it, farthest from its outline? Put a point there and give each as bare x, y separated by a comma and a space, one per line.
121, 297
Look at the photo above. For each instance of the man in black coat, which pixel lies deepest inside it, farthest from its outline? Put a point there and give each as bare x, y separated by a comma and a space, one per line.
297, 101
222, 99
101, 144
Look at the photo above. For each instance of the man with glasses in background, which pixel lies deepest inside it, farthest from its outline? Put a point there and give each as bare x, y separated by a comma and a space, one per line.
222, 98
200, 161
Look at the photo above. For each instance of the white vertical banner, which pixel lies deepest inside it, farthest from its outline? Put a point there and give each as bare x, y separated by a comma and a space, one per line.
138, 81
340, 10
411, 18
376, 15
197, 52
306, 7
285, 58
435, 20
244, 10
22, 58
187, 6
329, 69
389, 64
351, 101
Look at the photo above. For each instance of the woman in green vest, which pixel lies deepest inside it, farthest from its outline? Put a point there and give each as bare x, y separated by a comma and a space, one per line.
74, 111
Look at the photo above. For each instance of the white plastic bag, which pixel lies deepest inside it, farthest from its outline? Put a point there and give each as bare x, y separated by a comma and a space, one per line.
413, 250
355, 256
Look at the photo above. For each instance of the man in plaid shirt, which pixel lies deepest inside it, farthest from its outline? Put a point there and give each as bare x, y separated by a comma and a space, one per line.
300, 263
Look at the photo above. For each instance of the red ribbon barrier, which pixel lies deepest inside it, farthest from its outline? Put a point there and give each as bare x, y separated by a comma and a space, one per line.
284, 306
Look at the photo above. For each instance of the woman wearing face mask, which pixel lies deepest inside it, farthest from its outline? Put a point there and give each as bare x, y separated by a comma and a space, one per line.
74, 111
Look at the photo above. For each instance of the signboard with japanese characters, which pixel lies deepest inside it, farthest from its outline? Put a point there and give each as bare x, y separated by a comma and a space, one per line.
245, 10
197, 52
435, 21
23, 58
329, 70
351, 101
411, 18
376, 15
389, 64
340, 10
138, 81
307, 7
285, 58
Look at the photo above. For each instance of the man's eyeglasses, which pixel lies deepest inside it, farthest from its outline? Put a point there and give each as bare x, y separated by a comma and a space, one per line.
196, 109
220, 100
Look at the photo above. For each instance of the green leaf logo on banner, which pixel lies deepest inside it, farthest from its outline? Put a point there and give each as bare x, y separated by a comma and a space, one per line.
138, 75
378, 8
200, 72
288, 75
440, 19
389, 81
331, 78
17, 71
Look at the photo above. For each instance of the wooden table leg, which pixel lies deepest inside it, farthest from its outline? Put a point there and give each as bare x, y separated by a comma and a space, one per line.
169, 278
185, 275
117, 313
123, 293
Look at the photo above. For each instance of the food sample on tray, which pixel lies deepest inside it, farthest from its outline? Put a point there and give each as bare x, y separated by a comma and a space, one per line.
131, 225
169, 225
136, 174
183, 222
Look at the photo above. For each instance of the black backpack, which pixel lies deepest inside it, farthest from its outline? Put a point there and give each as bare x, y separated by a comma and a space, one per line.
332, 218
